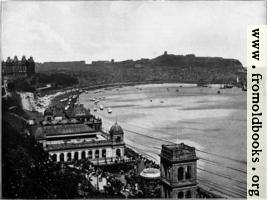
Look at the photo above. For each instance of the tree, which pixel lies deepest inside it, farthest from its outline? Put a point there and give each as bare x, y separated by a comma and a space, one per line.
28, 172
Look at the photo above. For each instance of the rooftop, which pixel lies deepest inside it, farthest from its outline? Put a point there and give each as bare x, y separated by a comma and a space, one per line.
78, 111
150, 173
178, 152
97, 142
65, 129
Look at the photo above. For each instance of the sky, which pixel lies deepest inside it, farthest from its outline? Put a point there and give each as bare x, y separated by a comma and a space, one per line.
120, 30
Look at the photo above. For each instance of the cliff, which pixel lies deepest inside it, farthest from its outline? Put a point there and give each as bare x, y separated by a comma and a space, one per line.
164, 68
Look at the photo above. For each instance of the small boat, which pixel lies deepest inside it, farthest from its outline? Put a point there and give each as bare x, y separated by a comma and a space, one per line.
101, 107
226, 86
95, 109
63, 100
150, 100
202, 84
109, 110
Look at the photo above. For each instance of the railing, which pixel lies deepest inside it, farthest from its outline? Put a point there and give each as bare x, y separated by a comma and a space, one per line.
80, 145
111, 161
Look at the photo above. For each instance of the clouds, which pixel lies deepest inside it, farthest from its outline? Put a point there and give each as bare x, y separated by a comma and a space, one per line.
57, 31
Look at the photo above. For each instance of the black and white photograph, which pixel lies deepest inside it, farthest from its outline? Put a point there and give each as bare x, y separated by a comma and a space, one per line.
125, 99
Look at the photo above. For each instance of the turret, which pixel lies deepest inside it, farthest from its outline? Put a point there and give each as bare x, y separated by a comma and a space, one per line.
116, 133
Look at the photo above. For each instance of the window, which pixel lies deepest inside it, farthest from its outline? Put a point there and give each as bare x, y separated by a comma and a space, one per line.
96, 153
188, 194
188, 172
83, 154
90, 154
104, 153
69, 156
76, 156
180, 173
118, 153
61, 157
118, 139
180, 195
54, 157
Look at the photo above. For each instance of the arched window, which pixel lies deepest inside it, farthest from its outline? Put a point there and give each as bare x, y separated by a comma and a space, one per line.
76, 156
61, 157
188, 172
188, 194
96, 153
83, 154
69, 156
180, 173
118, 139
104, 153
118, 153
54, 157
90, 154
180, 195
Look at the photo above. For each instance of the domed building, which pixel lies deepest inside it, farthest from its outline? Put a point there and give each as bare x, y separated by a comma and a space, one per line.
69, 141
116, 133
116, 136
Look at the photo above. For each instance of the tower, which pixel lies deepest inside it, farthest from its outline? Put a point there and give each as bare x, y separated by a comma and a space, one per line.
178, 166
116, 133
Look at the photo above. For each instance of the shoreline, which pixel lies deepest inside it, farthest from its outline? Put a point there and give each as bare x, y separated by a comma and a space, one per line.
47, 97
54, 99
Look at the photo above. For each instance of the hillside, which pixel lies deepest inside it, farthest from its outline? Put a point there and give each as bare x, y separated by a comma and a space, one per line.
164, 68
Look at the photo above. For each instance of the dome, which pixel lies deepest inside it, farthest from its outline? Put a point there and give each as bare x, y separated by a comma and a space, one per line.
116, 129
150, 173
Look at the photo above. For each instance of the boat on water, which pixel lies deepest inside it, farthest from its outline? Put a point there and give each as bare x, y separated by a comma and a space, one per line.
202, 84
226, 86
63, 100
109, 111
101, 107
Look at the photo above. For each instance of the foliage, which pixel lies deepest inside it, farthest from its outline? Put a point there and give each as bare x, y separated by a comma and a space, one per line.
28, 172
21, 84
58, 79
